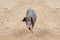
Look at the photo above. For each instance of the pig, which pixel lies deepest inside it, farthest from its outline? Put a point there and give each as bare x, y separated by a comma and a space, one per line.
30, 19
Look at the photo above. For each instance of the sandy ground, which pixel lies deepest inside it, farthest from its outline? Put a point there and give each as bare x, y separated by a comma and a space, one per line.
47, 26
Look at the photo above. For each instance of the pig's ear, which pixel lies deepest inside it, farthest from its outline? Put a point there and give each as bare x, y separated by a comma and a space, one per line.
24, 19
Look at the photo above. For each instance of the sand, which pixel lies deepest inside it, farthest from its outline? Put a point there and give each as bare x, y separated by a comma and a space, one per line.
47, 26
